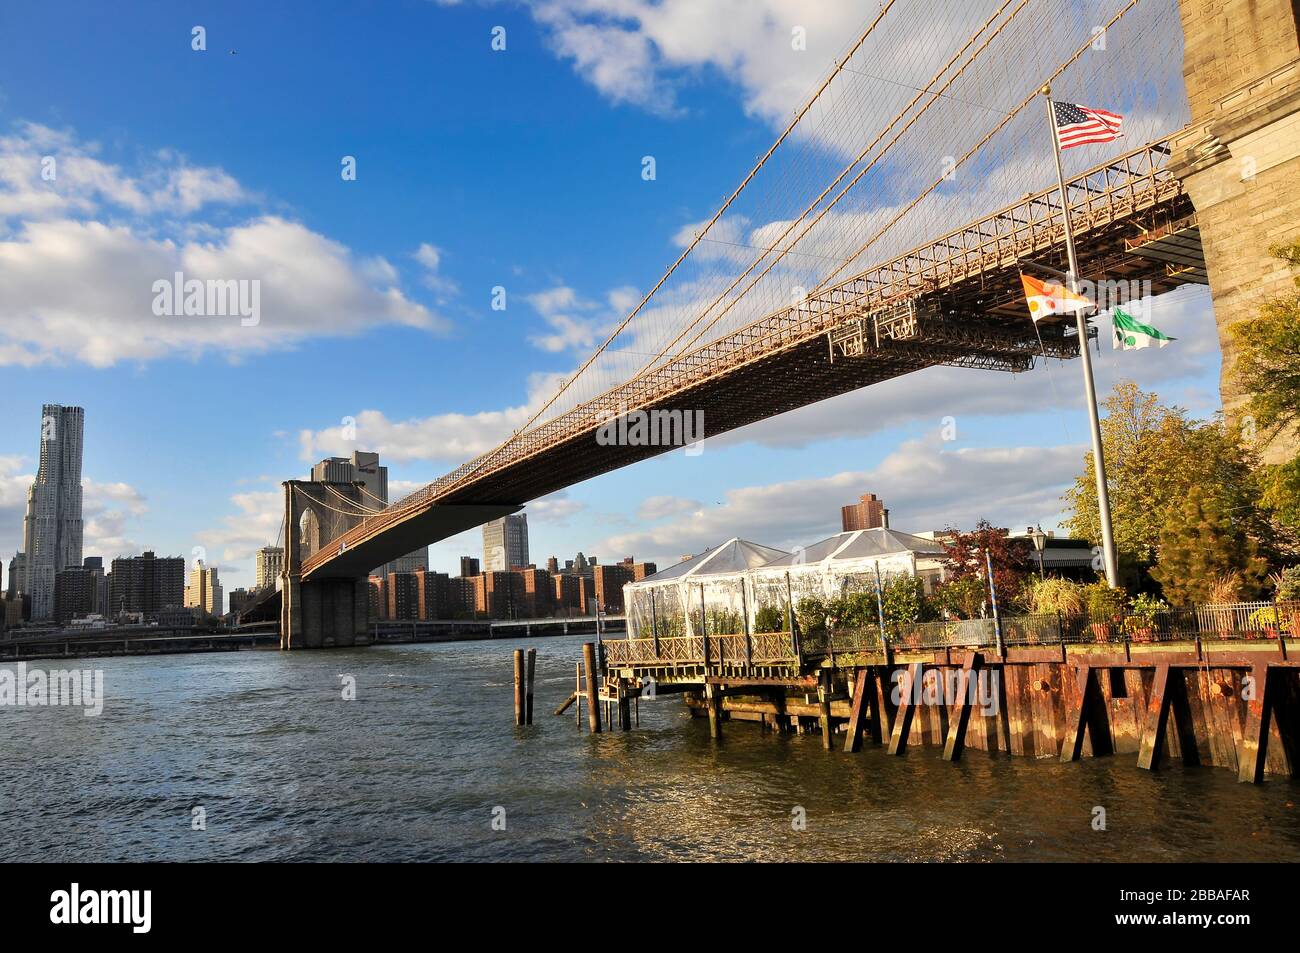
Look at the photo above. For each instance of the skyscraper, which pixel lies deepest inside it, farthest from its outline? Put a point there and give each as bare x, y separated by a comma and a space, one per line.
204, 591
505, 543
269, 565
52, 528
363, 467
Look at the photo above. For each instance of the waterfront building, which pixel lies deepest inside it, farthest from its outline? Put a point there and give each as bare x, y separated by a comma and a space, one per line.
568, 593
505, 543
433, 590
378, 598
608, 584
176, 617
99, 601
17, 575
52, 528
239, 599
538, 592
74, 594
403, 596
146, 584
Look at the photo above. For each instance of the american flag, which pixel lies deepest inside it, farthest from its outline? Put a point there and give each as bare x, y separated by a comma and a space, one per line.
1079, 125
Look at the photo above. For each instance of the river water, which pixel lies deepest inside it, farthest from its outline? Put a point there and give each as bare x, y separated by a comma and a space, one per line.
417, 766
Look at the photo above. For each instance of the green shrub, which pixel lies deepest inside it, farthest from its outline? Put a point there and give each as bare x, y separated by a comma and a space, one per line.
769, 619
1105, 603
904, 600
810, 612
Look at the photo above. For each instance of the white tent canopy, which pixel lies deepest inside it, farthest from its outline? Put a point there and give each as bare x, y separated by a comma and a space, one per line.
848, 562
708, 591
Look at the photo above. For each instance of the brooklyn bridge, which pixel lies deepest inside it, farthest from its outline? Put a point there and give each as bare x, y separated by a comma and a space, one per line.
884, 232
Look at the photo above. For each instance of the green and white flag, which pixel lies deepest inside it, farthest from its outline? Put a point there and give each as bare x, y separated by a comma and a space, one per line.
1130, 333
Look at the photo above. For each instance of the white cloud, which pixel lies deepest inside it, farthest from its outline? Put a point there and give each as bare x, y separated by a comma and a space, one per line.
84, 291
257, 522
81, 250
925, 486
557, 509
47, 173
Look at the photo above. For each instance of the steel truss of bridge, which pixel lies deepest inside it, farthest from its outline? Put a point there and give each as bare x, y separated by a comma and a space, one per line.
954, 301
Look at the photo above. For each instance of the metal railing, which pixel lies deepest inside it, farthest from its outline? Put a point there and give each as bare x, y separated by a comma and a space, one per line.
1224, 622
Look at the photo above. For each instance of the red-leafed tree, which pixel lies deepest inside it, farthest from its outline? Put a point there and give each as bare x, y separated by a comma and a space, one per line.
1010, 558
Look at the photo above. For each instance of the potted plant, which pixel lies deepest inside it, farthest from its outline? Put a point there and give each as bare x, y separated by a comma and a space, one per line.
1140, 622
1105, 606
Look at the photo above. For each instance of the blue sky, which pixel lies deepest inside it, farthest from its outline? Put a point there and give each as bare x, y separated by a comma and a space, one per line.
475, 169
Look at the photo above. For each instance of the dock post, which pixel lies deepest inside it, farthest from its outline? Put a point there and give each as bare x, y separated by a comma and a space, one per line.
519, 686
1089, 717
624, 706
1259, 709
714, 698
593, 701
528, 692
577, 692
956, 741
853, 740
824, 706
1168, 692
906, 709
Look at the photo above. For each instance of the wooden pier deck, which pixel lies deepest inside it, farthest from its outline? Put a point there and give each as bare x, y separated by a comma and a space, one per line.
1229, 701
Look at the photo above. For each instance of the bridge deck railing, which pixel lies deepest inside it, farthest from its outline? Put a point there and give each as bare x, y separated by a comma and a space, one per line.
1208, 623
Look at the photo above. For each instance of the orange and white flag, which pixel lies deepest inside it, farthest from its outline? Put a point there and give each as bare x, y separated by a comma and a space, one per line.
1048, 297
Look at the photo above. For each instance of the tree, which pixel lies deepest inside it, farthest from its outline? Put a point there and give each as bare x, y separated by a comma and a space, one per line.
1200, 546
1010, 557
1155, 455
1268, 353
903, 600
1268, 368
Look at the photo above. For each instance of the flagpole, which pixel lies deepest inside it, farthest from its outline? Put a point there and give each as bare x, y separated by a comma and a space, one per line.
1090, 388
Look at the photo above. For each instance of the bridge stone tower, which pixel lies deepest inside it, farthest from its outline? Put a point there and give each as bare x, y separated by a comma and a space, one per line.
325, 612
1240, 160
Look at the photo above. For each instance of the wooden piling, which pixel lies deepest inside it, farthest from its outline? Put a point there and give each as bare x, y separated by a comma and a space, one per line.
824, 707
955, 743
519, 686
714, 698
1168, 696
624, 707
861, 686
528, 691
1259, 710
906, 709
593, 700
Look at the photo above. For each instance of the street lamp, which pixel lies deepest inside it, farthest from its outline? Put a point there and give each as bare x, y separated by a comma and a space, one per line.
1040, 541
